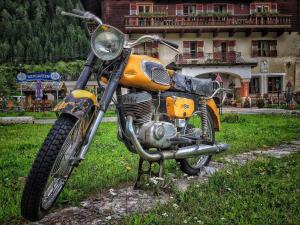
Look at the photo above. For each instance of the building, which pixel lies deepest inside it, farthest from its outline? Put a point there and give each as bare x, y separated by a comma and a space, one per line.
253, 45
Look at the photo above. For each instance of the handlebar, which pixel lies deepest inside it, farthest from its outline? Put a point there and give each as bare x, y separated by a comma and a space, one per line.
163, 41
153, 38
78, 12
82, 15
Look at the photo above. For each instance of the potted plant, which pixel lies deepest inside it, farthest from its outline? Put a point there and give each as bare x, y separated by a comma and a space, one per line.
247, 103
260, 103
238, 102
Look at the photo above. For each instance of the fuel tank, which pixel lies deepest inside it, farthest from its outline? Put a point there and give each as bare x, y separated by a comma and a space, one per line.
146, 73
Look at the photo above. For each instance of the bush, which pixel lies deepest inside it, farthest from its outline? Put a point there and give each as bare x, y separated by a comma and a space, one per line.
233, 118
260, 103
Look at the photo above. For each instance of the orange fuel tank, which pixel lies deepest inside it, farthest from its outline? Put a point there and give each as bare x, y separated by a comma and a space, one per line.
145, 73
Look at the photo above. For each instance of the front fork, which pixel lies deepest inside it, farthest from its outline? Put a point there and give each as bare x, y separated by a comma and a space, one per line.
105, 100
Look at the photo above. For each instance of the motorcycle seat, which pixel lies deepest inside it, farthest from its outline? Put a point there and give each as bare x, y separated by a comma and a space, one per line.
192, 85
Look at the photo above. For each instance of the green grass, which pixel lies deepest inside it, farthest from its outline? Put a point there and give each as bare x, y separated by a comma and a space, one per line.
266, 191
105, 164
44, 115
35, 115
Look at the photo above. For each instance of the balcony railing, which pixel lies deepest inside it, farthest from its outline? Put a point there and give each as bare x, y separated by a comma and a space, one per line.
211, 58
169, 22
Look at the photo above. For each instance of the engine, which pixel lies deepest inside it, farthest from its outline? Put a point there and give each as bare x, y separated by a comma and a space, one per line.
150, 133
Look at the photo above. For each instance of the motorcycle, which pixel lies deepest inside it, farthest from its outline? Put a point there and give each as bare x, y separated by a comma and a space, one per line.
163, 115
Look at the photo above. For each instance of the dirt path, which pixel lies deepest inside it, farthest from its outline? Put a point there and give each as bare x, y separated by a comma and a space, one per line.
110, 207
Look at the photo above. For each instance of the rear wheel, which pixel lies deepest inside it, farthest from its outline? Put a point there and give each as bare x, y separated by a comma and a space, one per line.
51, 168
192, 166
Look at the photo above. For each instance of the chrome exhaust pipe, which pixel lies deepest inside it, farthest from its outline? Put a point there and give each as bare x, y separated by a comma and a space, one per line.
181, 153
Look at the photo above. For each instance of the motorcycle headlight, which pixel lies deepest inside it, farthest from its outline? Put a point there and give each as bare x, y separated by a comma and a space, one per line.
107, 42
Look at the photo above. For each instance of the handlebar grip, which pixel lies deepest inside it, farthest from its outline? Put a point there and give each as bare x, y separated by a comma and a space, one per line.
78, 12
170, 43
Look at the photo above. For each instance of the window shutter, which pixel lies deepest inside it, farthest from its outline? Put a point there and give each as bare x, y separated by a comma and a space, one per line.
252, 8
254, 50
186, 50
231, 51
230, 9
133, 9
209, 8
200, 45
199, 8
274, 7
217, 50
273, 48
231, 45
179, 9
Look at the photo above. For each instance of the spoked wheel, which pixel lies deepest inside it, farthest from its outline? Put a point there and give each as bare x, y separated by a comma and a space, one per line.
51, 168
192, 166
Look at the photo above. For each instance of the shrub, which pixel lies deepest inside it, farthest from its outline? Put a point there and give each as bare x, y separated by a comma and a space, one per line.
260, 103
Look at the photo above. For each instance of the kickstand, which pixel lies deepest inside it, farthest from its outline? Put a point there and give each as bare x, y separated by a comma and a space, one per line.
147, 172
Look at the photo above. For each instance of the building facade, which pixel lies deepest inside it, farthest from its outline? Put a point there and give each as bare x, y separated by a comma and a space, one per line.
253, 45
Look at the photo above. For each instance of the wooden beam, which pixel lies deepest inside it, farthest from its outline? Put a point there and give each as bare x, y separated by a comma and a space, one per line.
279, 33
248, 32
198, 33
231, 33
264, 33
181, 33
215, 33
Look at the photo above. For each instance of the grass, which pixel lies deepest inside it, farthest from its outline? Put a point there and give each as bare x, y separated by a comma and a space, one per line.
35, 115
261, 192
44, 115
106, 162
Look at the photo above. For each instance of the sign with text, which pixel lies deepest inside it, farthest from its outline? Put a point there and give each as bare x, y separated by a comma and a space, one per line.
42, 76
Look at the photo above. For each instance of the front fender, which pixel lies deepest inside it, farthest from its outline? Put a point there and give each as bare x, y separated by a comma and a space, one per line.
211, 105
80, 104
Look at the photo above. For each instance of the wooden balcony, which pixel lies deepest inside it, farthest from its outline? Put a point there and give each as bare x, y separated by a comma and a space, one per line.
229, 58
163, 23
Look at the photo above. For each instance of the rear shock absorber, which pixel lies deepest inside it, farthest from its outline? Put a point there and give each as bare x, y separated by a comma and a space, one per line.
204, 118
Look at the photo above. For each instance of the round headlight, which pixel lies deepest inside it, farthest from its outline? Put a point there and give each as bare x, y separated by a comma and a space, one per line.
107, 42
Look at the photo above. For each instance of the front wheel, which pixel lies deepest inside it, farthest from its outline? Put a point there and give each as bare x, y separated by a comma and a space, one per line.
51, 168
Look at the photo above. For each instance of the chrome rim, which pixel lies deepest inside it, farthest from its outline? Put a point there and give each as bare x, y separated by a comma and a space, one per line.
62, 167
198, 161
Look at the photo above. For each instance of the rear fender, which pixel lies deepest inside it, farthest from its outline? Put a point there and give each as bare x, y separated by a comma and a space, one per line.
211, 105
80, 103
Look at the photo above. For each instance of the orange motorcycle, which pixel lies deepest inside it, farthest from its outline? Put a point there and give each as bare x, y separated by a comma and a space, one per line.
163, 115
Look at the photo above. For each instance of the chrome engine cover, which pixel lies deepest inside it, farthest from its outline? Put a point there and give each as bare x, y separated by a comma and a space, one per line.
156, 134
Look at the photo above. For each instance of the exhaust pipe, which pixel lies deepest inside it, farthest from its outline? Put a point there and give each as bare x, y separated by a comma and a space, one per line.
181, 153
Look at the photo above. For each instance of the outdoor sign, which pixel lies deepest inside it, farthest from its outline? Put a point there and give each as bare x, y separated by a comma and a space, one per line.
45, 76
38, 90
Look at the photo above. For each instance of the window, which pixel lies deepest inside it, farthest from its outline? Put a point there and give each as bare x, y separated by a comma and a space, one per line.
262, 8
242, 6
145, 9
193, 49
264, 48
220, 8
254, 85
189, 10
274, 84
